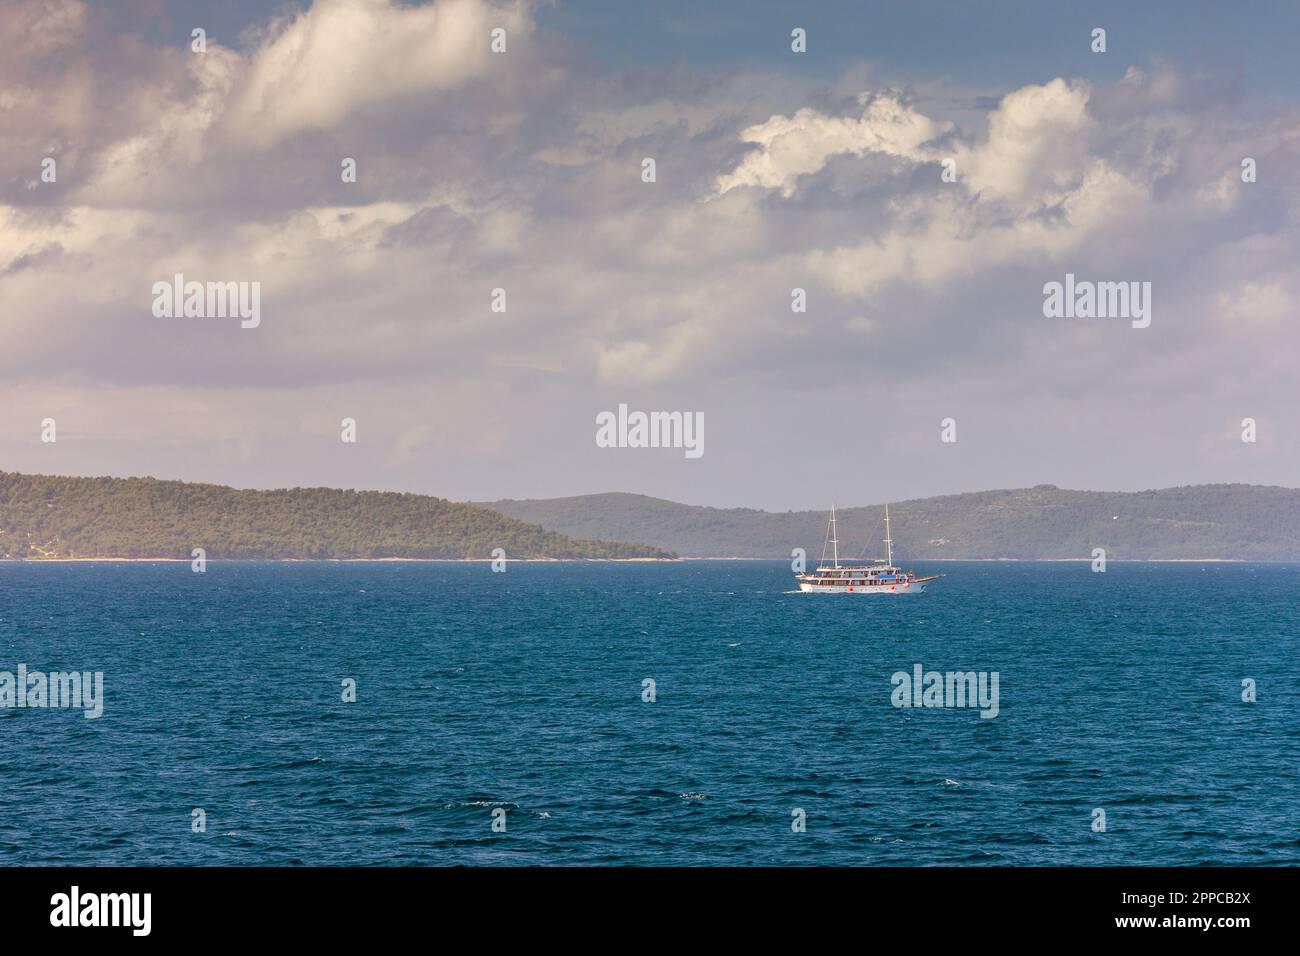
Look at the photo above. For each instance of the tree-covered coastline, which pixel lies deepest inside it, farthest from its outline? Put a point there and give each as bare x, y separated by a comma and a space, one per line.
44, 517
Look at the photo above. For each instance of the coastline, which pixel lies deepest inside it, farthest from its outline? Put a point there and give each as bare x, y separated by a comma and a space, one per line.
509, 560
1043, 560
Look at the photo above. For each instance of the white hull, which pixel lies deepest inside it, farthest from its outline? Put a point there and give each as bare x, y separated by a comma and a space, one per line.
860, 589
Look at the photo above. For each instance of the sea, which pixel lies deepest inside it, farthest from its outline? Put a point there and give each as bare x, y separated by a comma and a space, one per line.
651, 714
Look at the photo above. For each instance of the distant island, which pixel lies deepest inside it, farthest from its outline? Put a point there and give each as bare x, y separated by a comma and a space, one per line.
51, 518
46, 517
1224, 522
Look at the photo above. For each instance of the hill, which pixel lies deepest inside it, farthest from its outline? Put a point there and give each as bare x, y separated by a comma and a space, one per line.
1242, 522
43, 516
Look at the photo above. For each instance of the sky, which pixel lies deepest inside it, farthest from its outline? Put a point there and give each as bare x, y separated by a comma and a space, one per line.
922, 172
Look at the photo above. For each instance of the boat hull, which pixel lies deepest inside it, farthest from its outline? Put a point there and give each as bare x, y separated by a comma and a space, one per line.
893, 589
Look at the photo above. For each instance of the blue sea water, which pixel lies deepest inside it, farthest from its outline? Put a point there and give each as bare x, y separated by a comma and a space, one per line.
523, 690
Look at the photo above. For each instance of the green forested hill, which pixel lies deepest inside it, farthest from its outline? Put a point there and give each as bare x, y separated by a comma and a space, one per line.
52, 517
1245, 522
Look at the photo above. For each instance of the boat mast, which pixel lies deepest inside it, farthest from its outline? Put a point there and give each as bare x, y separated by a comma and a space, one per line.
889, 542
835, 541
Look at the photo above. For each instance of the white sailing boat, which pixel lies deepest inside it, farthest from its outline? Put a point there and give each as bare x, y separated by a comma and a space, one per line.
880, 577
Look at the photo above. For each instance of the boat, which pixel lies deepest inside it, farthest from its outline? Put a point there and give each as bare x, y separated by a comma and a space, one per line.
882, 576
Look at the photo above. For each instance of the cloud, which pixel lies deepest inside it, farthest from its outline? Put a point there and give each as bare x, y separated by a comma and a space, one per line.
798, 145
522, 171
1033, 145
317, 68
38, 28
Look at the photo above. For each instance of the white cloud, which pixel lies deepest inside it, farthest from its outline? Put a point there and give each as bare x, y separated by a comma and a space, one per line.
1036, 147
795, 146
1035, 156
341, 56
